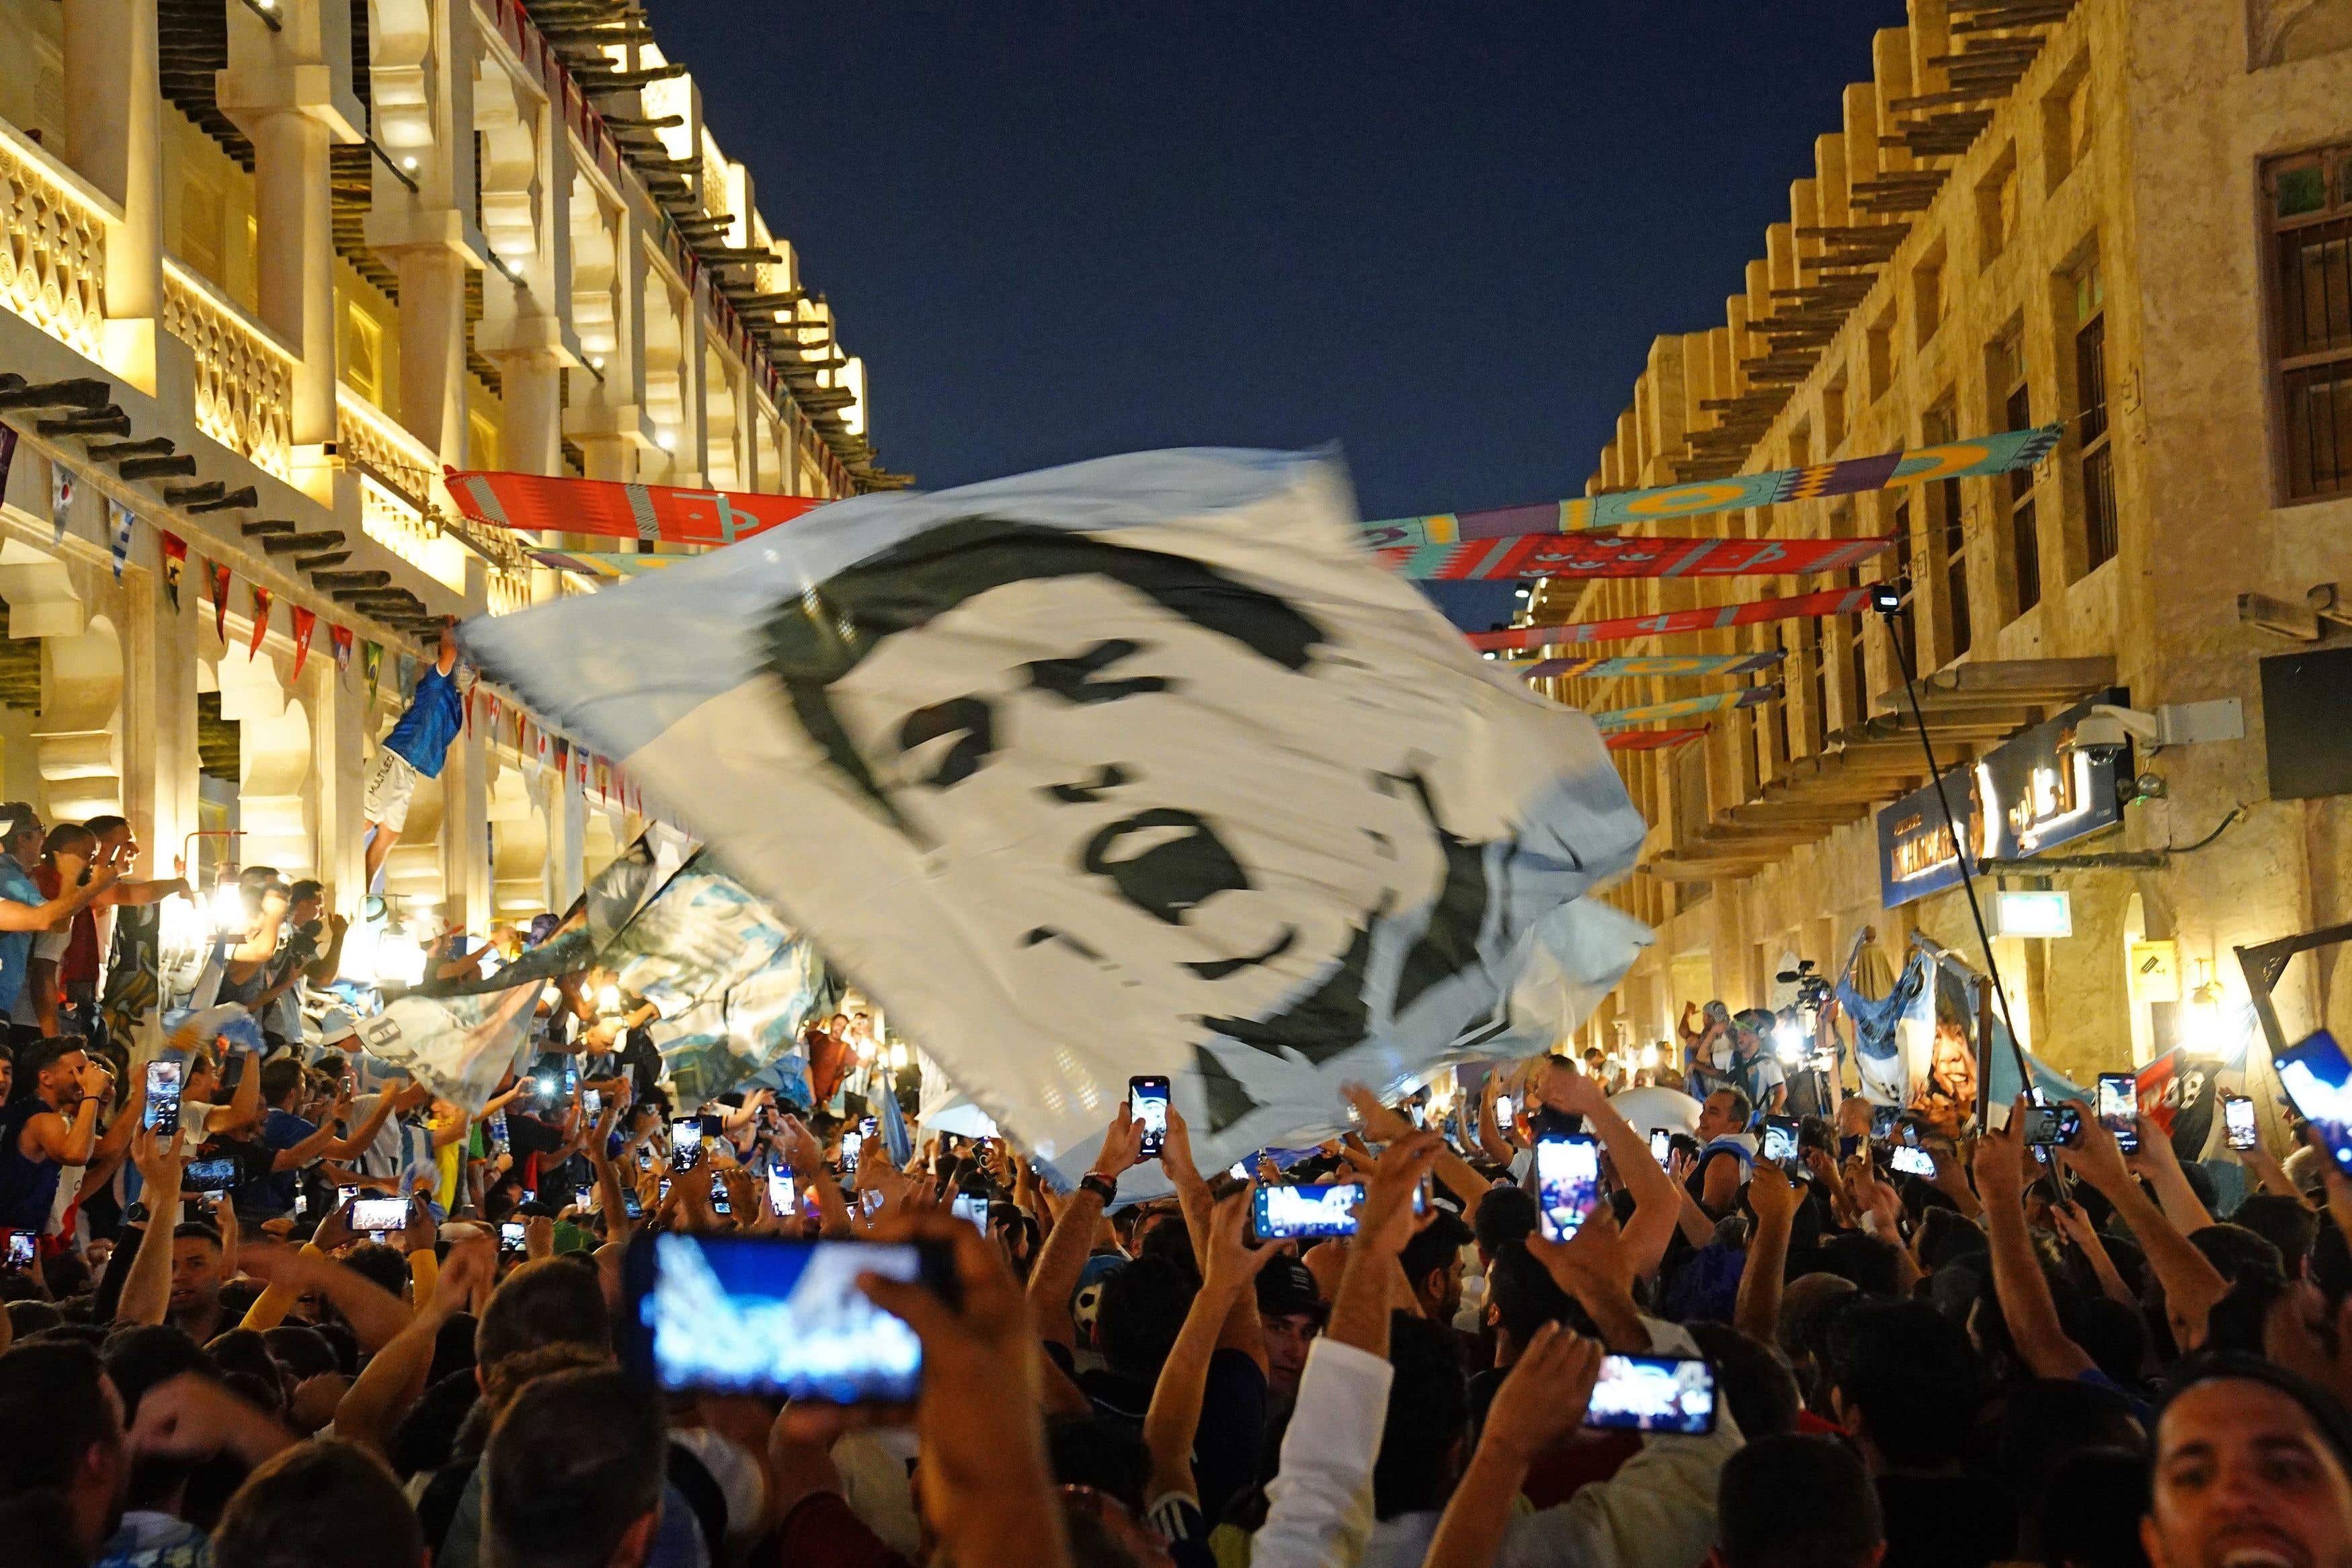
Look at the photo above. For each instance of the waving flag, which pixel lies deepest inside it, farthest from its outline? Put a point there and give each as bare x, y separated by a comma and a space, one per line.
1142, 765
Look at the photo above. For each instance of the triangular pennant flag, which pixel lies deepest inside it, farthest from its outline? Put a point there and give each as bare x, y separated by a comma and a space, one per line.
219, 573
339, 638
120, 516
306, 623
371, 667
175, 560
7, 457
542, 754
61, 495
564, 760
261, 600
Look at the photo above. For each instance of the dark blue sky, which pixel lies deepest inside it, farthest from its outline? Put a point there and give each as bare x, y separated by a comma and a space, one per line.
1441, 234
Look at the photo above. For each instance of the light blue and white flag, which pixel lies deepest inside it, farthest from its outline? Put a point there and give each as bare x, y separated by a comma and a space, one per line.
1140, 766
119, 519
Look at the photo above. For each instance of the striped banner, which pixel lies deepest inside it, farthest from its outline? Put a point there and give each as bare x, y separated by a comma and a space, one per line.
1683, 708
1629, 555
1714, 617
1666, 664
611, 565
1954, 460
649, 512
1653, 739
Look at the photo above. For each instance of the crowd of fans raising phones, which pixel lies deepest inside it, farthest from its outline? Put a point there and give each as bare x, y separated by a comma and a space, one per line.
283, 1317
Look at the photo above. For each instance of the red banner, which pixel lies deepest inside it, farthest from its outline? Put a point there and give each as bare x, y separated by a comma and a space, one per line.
612, 511
305, 624
1653, 739
219, 573
261, 598
1628, 628
1629, 555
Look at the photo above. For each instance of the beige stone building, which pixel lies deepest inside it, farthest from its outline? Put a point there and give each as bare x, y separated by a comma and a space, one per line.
2133, 217
314, 251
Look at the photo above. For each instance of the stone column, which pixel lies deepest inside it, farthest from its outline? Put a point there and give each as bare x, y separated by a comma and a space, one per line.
433, 342
114, 139
530, 359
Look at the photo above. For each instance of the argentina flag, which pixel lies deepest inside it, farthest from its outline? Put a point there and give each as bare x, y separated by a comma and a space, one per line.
1143, 765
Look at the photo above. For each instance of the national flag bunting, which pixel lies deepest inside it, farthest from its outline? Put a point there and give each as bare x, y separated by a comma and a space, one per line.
305, 624
1711, 618
339, 638
119, 533
220, 577
261, 601
175, 560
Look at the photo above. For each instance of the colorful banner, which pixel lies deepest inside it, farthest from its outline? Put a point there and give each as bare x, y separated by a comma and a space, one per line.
7, 457
609, 565
1714, 617
620, 511
1683, 708
175, 561
1629, 555
133, 969
371, 667
261, 600
219, 574
120, 516
1955, 460
339, 638
306, 623
61, 495
1654, 739
1640, 667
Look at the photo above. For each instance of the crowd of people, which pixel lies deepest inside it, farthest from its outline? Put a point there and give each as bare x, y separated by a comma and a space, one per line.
246, 1358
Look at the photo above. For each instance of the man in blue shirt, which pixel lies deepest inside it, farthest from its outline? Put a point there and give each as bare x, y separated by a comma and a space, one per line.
417, 747
24, 911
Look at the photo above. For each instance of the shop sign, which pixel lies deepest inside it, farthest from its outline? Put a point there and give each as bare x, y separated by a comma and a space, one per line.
2028, 794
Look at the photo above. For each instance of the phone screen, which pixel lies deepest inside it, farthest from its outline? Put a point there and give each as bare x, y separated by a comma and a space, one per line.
973, 1205
851, 1144
1503, 1110
2238, 1115
1882, 1121
592, 1102
2118, 1108
779, 1191
685, 1143
1568, 1182
511, 1237
583, 1198
23, 1247
162, 1113
767, 1316
1279, 1213
1146, 1099
1780, 1139
1662, 1144
2314, 1073
1653, 1394
1911, 1161
376, 1215
718, 1201
209, 1176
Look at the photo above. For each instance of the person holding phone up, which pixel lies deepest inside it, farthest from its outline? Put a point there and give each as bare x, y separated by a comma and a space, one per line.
25, 911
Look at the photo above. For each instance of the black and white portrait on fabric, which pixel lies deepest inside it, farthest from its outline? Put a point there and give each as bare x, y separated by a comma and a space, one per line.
1143, 765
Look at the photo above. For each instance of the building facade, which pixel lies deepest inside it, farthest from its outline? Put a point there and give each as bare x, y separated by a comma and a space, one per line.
2126, 217
312, 253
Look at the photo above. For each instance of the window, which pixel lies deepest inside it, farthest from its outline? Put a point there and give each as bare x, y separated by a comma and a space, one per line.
2066, 124
204, 234
2310, 199
1882, 356
1901, 624
482, 442
2014, 492
1948, 520
1833, 417
362, 354
1997, 209
2091, 395
1927, 295
1857, 663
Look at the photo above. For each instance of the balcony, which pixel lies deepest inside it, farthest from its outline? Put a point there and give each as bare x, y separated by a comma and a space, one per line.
53, 252
397, 485
245, 373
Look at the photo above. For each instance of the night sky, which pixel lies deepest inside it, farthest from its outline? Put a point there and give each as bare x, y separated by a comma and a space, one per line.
1440, 235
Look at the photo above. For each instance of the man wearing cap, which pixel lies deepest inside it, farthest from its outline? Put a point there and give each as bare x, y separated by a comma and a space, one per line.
2251, 1465
1292, 1312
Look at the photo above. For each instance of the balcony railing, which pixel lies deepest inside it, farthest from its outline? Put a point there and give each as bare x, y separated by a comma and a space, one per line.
396, 489
52, 245
245, 373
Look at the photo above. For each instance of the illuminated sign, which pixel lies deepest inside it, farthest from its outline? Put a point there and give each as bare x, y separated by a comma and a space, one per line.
2024, 796
2031, 913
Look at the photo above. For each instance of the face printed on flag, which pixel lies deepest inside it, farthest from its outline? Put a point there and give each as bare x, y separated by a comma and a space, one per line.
1142, 766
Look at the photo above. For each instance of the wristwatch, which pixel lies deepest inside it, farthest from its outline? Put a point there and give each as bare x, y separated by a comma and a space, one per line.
1103, 1187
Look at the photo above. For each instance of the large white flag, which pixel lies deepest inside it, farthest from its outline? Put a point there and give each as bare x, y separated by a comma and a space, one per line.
1138, 766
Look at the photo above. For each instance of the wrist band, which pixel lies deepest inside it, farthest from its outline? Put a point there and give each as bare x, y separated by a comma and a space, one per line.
1102, 1186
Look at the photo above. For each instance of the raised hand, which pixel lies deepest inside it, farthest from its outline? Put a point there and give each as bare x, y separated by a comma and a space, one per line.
1122, 1146
1545, 1395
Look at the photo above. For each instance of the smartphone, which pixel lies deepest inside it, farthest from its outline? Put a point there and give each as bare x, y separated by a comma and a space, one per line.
973, 1205
684, 1144
2238, 1117
592, 1102
379, 1215
162, 1113
631, 1204
1329, 1209
1147, 1100
1882, 1121
769, 1317
2118, 1108
1653, 1394
851, 1143
1662, 1144
780, 1190
2041, 1125
583, 1198
1911, 1161
547, 1087
24, 1248
719, 1202
511, 1237
209, 1176
344, 1195
1568, 1182
866, 1126
1504, 1111
1780, 1139
302, 1204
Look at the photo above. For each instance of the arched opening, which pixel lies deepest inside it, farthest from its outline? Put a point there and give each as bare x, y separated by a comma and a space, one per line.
274, 800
